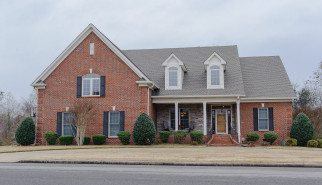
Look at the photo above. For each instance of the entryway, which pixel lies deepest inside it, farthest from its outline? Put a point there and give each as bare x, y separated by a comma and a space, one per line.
220, 120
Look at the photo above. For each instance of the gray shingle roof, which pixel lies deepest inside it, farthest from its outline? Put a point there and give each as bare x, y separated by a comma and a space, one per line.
265, 77
246, 76
194, 81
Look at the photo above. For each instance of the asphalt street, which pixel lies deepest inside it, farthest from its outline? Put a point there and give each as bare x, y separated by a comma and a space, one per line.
76, 174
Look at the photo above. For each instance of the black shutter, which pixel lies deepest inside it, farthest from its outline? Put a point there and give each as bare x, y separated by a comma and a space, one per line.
255, 118
102, 93
79, 87
271, 118
59, 123
105, 123
122, 118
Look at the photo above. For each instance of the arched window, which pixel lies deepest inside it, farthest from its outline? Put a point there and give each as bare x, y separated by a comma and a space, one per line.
173, 76
91, 85
215, 76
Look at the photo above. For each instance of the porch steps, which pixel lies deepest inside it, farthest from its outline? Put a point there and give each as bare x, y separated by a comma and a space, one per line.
222, 140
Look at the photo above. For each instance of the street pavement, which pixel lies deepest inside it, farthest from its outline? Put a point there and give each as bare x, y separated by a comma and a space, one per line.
77, 174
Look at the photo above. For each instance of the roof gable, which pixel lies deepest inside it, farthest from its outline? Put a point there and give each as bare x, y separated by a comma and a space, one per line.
89, 29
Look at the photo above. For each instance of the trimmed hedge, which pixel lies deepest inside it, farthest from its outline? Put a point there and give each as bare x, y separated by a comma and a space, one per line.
25, 133
66, 140
290, 142
99, 139
270, 137
320, 143
252, 136
196, 136
51, 137
86, 140
164, 136
180, 136
124, 137
312, 144
302, 129
144, 132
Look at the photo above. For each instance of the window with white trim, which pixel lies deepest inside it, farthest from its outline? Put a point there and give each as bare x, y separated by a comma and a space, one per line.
173, 76
263, 119
91, 86
215, 75
114, 124
68, 124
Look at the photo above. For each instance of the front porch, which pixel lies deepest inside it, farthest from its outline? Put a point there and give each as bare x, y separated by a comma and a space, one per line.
219, 118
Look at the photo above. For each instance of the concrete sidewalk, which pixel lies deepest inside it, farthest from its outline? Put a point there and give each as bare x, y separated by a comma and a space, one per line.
201, 155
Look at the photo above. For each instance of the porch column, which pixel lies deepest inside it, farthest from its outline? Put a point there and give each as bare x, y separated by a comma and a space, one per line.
176, 113
238, 118
204, 118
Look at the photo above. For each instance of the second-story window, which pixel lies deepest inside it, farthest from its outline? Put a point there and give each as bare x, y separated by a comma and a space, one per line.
91, 86
173, 76
215, 75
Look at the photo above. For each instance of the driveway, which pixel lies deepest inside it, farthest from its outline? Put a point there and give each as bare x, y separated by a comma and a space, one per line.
174, 155
72, 174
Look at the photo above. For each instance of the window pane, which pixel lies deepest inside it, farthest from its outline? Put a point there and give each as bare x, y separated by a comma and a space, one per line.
172, 119
263, 124
262, 113
86, 87
68, 130
96, 87
215, 77
173, 75
114, 123
184, 119
68, 122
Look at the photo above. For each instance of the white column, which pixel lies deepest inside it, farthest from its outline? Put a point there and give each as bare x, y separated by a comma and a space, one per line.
176, 113
204, 118
238, 119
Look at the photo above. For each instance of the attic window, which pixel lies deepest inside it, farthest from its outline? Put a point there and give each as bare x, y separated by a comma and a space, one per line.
91, 48
215, 75
173, 76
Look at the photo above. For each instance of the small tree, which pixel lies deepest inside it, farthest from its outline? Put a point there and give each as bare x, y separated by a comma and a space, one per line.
144, 130
83, 114
302, 129
25, 133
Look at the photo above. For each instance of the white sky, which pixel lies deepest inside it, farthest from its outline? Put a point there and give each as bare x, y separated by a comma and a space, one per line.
34, 33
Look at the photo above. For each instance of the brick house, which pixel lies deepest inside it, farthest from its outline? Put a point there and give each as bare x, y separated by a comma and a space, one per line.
211, 89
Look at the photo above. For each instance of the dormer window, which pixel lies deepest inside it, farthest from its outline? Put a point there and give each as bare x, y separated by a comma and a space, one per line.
215, 75
174, 72
215, 68
173, 76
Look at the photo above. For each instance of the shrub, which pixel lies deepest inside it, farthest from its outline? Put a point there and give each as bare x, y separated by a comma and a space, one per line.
86, 140
196, 136
25, 133
144, 130
180, 136
252, 136
164, 136
51, 137
312, 143
290, 142
270, 137
124, 137
302, 129
66, 140
99, 139
320, 143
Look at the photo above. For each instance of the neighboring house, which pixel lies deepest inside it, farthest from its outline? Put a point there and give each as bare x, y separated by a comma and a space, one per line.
210, 89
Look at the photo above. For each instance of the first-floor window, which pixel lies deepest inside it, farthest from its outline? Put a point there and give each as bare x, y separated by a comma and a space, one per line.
114, 123
183, 119
263, 123
172, 119
68, 127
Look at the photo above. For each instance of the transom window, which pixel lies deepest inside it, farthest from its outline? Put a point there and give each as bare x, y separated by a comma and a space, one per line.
68, 127
91, 85
263, 120
173, 76
114, 123
215, 76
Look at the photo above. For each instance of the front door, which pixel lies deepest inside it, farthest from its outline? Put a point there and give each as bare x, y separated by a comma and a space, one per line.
221, 121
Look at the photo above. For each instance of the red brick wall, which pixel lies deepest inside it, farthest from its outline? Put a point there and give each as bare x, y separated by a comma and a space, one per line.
282, 118
121, 89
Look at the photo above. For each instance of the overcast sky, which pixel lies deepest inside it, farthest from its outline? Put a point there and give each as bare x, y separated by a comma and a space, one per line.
34, 33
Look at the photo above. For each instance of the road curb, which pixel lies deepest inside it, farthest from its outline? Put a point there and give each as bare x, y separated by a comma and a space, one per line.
175, 164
